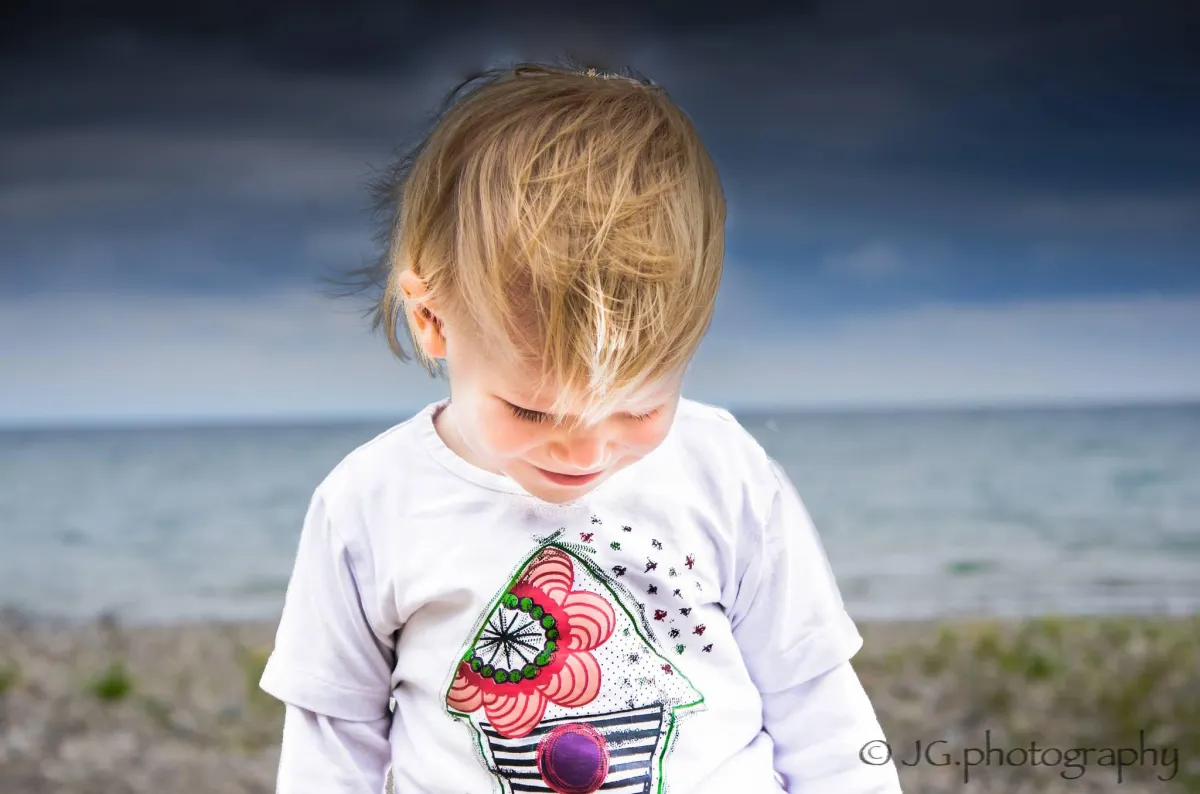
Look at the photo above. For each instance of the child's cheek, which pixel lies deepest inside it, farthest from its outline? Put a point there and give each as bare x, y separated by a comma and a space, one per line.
644, 436
505, 436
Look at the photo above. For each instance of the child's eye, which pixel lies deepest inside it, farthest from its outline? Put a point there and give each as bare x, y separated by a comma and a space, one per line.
537, 417
527, 415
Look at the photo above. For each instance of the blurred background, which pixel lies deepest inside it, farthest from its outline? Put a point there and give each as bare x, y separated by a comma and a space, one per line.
961, 303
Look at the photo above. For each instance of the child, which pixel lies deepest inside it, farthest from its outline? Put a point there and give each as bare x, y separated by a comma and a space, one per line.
566, 577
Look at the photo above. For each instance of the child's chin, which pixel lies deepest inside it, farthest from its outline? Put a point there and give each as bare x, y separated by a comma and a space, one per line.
559, 494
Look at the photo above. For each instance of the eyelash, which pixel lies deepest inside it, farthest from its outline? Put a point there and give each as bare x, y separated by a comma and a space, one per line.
527, 415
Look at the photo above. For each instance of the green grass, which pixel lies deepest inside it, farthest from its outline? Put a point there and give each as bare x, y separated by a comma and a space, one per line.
263, 716
113, 685
10, 674
253, 662
1062, 682
158, 712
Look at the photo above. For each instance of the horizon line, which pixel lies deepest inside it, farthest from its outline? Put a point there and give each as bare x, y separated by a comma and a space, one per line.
277, 419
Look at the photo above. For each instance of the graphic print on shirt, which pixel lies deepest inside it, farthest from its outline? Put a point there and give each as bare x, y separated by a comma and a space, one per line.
564, 686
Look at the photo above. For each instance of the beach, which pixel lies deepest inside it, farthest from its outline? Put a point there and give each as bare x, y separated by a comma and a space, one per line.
110, 709
950, 534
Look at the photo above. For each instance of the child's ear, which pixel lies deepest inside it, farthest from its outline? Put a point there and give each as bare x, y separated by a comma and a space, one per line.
426, 324
429, 332
411, 285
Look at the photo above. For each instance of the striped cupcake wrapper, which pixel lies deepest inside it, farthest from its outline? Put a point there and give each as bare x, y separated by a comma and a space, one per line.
631, 737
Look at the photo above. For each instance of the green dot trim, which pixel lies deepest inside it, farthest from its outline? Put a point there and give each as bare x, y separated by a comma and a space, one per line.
527, 672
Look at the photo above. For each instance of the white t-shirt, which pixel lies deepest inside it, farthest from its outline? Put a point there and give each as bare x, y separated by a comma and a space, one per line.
678, 629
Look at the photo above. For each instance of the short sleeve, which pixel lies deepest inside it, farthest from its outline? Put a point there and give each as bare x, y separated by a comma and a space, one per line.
788, 617
328, 659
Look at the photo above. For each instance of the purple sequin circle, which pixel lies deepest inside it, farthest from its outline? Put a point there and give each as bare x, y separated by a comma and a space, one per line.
573, 759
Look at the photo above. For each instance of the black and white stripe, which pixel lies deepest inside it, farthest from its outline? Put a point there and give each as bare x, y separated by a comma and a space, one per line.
632, 736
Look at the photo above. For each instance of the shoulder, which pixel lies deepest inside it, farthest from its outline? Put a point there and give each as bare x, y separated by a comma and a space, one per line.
719, 456
385, 469
714, 438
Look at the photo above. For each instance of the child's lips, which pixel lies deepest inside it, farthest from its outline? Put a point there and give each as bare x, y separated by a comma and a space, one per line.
559, 478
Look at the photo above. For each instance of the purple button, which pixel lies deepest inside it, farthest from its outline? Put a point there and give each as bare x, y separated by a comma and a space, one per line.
573, 759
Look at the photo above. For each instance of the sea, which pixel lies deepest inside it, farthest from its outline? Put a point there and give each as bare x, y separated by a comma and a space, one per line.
923, 514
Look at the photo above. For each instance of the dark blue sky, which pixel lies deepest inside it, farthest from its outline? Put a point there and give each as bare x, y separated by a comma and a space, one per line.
1019, 179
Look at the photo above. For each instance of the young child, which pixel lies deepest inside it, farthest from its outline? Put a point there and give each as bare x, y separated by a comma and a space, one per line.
566, 577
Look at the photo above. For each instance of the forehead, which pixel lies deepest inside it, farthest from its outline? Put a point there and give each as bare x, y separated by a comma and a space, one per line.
528, 387
501, 369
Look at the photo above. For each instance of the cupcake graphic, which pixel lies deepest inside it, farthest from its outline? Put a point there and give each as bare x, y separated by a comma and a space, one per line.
564, 687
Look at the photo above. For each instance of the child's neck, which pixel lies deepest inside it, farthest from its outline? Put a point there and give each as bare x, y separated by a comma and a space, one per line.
447, 430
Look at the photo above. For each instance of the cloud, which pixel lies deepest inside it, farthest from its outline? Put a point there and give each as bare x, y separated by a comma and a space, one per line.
870, 261
1120, 212
291, 354
362, 37
130, 168
856, 140
131, 356
1113, 350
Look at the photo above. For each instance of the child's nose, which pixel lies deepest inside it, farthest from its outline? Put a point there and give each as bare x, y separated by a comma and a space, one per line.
584, 452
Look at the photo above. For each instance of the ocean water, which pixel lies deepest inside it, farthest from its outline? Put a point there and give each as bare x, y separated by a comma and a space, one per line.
922, 514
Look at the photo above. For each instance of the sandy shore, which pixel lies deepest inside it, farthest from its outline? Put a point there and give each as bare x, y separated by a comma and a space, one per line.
105, 709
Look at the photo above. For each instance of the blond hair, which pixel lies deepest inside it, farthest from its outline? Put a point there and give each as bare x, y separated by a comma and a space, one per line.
574, 216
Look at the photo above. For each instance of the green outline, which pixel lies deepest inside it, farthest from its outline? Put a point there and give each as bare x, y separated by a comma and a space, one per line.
602, 577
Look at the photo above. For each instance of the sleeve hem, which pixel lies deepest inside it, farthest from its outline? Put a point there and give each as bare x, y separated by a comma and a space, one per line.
297, 687
815, 656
